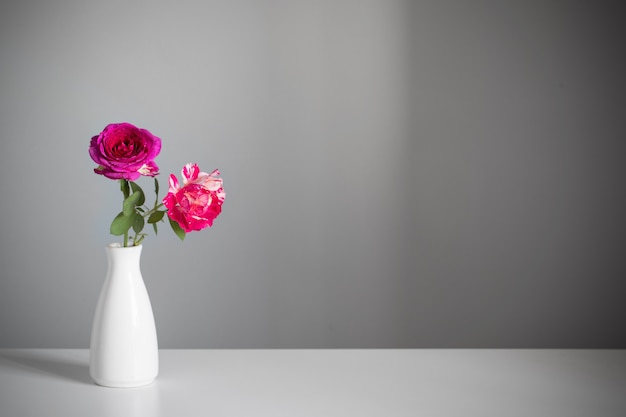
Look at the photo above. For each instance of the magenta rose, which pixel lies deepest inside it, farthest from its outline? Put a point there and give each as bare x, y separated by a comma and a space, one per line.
198, 202
124, 151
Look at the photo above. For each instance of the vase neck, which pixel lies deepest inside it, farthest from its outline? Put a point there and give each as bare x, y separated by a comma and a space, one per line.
123, 258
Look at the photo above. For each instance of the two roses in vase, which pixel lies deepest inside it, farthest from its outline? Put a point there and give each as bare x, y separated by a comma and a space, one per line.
125, 152
124, 347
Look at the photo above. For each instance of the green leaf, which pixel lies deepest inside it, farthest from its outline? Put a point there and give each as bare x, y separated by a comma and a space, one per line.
136, 188
138, 223
131, 202
156, 192
154, 226
156, 217
177, 229
121, 223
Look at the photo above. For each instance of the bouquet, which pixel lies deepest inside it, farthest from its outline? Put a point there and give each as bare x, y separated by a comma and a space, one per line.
124, 153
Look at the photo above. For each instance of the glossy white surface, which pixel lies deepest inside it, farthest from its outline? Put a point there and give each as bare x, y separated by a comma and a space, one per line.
291, 383
124, 348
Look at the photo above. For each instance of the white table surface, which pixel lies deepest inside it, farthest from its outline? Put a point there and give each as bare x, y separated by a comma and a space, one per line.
349, 382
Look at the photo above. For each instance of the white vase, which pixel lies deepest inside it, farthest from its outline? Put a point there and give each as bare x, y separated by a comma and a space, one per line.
124, 350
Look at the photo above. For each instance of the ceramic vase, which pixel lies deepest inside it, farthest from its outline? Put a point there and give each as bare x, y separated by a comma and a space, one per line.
124, 349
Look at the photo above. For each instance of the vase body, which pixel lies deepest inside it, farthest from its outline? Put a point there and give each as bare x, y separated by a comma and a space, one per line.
124, 349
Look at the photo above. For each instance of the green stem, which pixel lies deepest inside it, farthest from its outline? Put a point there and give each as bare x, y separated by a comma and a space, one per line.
126, 192
138, 241
149, 211
152, 210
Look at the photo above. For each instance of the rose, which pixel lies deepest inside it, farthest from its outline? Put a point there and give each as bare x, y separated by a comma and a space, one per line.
198, 202
123, 151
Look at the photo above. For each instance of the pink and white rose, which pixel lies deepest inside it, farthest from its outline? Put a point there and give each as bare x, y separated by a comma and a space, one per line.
198, 202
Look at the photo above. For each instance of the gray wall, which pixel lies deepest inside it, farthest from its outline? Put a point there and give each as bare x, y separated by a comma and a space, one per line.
398, 174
